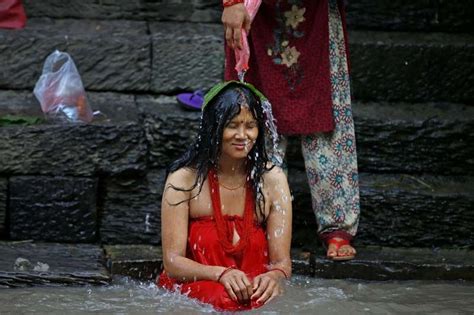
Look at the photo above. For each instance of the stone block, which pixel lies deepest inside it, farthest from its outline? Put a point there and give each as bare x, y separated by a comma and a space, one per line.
24, 264
60, 209
113, 144
110, 55
167, 10
146, 262
398, 210
379, 263
186, 56
131, 209
142, 262
409, 138
391, 137
169, 128
388, 66
3, 205
420, 15
412, 67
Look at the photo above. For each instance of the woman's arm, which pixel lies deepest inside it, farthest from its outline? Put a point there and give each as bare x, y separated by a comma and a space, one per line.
279, 225
174, 231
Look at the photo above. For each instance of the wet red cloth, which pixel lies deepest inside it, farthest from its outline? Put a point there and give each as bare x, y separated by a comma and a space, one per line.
300, 93
12, 14
208, 243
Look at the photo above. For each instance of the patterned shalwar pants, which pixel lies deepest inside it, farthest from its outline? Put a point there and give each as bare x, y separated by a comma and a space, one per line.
331, 158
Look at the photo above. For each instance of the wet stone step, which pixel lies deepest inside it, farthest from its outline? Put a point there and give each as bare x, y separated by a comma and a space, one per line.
110, 56
131, 209
412, 66
186, 56
372, 263
113, 144
390, 66
398, 211
152, 10
419, 15
426, 15
25, 264
382, 263
391, 137
384, 65
409, 138
61, 209
145, 262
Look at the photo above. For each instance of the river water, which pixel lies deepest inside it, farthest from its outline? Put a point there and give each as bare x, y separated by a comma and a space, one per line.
303, 295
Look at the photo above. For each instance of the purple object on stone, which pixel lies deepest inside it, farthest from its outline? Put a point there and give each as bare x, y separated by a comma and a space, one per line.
191, 100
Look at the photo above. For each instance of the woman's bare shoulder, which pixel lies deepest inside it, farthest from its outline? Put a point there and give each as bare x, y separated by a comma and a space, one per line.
274, 175
184, 177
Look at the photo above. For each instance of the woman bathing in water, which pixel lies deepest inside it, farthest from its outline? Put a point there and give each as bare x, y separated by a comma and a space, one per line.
226, 211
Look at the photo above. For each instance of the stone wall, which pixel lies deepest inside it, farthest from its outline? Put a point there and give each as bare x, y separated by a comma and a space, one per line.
412, 78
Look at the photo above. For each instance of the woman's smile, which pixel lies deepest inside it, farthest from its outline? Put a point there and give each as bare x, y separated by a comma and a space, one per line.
239, 135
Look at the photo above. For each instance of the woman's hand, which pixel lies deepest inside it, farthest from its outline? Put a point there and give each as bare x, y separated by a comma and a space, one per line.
267, 286
234, 19
237, 285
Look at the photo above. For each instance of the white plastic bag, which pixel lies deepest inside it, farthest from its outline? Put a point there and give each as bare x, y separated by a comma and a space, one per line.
60, 91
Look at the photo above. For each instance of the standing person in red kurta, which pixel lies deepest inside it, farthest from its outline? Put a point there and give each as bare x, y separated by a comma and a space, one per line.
226, 211
298, 59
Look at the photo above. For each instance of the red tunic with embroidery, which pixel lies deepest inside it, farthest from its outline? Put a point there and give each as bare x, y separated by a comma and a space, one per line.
210, 243
289, 63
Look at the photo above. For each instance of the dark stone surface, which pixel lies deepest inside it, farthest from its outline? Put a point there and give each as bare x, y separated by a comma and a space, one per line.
412, 67
110, 56
385, 66
391, 137
378, 263
420, 15
170, 129
3, 205
409, 138
186, 56
372, 263
188, 11
142, 262
399, 211
146, 262
60, 209
131, 209
113, 144
78, 264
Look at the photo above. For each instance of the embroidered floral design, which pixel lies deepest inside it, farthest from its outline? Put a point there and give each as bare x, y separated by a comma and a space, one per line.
348, 143
290, 56
312, 176
354, 178
310, 142
281, 52
338, 214
336, 179
294, 16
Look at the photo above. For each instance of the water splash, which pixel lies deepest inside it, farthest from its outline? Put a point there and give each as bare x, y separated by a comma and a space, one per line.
270, 124
241, 76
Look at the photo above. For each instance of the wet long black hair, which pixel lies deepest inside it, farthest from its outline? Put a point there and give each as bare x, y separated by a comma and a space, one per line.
204, 153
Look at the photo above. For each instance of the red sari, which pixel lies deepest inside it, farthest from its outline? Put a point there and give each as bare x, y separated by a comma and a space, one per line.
210, 243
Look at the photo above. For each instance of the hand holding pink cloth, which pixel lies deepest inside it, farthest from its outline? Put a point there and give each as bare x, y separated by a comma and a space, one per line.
242, 55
